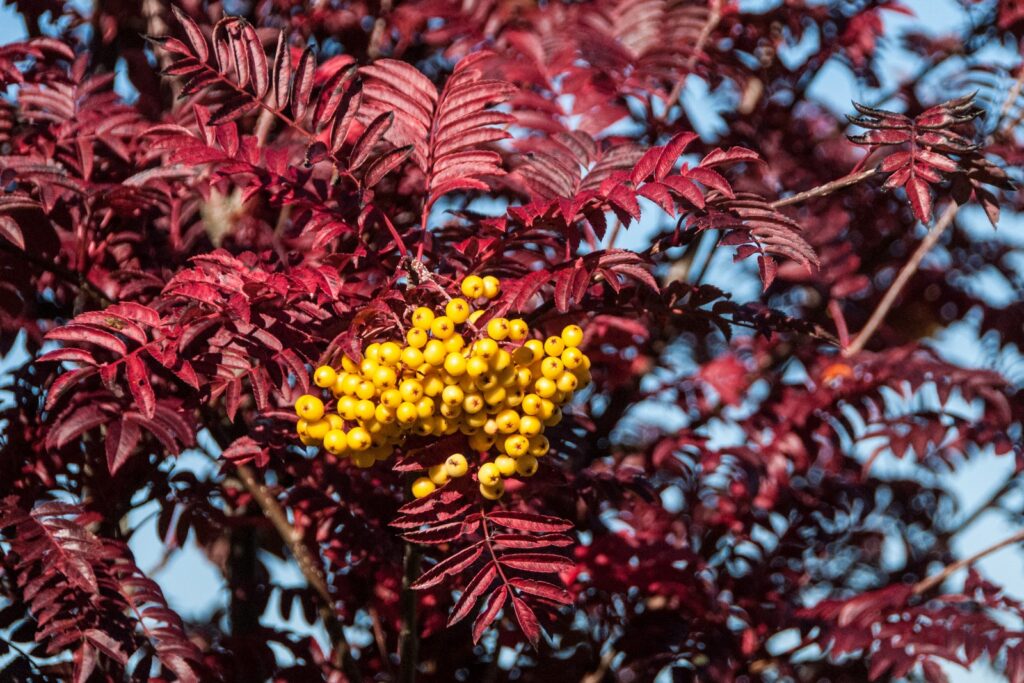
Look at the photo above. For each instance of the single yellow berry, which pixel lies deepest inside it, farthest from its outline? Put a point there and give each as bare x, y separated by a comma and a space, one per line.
495, 395
473, 403
492, 286
425, 407
517, 445
492, 492
442, 327
518, 329
481, 442
454, 343
476, 366
390, 353
422, 318
348, 365
545, 387
455, 364
325, 376
438, 474
385, 377
423, 487
530, 425
417, 338
536, 347
433, 385
434, 352
350, 383
501, 361
567, 382
489, 474
366, 390
407, 413
524, 378
456, 465
572, 358
556, 417
309, 408
384, 415
485, 348
473, 287
347, 407
508, 421
411, 390
505, 465
372, 352
391, 398
553, 346
452, 395
539, 445
365, 409
572, 335
458, 310
412, 357
335, 421
551, 368
369, 365
301, 426
497, 329
358, 439
526, 466
451, 412
335, 442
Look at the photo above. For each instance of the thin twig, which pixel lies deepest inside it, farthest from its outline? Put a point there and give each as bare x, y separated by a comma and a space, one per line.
925, 585
826, 189
907, 272
408, 637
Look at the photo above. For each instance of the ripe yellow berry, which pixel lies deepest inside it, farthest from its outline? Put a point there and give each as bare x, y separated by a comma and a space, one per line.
325, 376
505, 465
530, 425
423, 487
456, 342
385, 377
412, 357
452, 395
517, 445
572, 335
456, 465
425, 407
363, 460
451, 411
407, 413
476, 366
366, 390
524, 378
390, 353
473, 287
572, 358
365, 409
526, 466
522, 356
335, 421
547, 409
481, 442
350, 383
492, 286
372, 352
434, 352
455, 364
411, 390
508, 421
556, 417
489, 474
347, 407
473, 403
539, 445
474, 316
492, 492
417, 338
348, 365
438, 474
301, 426
309, 408
442, 327
433, 385
518, 329
335, 442
422, 318
458, 310
551, 368
390, 398
318, 429
497, 329
501, 361
358, 439
545, 387
384, 415
495, 395
536, 347
485, 348
553, 346
567, 382
369, 365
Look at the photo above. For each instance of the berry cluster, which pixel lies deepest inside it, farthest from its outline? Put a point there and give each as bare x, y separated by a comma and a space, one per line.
491, 383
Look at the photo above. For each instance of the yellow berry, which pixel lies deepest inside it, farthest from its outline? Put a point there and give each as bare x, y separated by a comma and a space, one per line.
385, 377
456, 465
348, 365
539, 445
497, 329
501, 360
301, 426
455, 364
485, 348
517, 445
422, 318
425, 407
473, 287
325, 376
365, 409
452, 395
551, 368
489, 474
412, 357
423, 487
417, 338
481, 442
495, 395
434, 352
456, 342
335, 421
309, 408
572, 358
476, 366
473, 403
545, 387
530, 425
411, 390
518, 329
526, 466
474, 316
572, 335
451, 411
383, 414
391, 398
556, 417
508, 421
547, 409
358, 439
369, 365
553, 346
390, 353
536, 347
433, 385
363, 460
457, 310
492, 286
350, 383
366, 390
347, 407
407, 413
567, 382
438, 474
442, 327
317, 429
335, 442
372, 352
492, 492
505, 465
524, 378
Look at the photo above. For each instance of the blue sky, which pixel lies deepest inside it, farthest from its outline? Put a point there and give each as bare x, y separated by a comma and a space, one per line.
193, 586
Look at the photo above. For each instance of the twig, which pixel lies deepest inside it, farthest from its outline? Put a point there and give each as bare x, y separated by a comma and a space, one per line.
925, 585
1011, 97
907, 272
408, 636
293, 539
714, 16
826, 189
598, 674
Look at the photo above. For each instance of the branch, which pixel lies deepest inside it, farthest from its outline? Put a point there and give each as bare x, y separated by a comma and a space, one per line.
925, 585
907, 272
293, 539
409, 636
826, 189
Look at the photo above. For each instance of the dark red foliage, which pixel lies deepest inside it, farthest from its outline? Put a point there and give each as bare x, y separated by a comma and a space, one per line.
199, 207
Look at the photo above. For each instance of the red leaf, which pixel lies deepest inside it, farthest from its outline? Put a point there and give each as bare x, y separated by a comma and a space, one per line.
282, 72
303, 85
257, 61
451, 565
542, 589
88, 334
528, 521
527, 620
497, 601
384, 164
137, 376
11, 231
371, 136
473, 592
541, 563
671, 153
121, 439
920, 196
193, 33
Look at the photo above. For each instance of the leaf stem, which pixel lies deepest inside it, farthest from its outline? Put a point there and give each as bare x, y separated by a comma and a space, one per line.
927, 584
826, 189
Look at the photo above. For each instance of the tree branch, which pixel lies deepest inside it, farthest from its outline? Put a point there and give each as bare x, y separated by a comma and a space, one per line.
925, 585
826, 189
409, 635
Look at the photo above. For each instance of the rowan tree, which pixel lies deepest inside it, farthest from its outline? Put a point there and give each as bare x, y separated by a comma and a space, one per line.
211, 210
